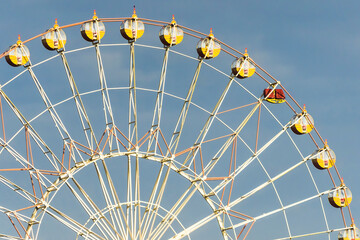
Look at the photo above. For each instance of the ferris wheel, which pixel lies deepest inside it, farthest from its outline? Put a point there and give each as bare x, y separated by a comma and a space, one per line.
158, 133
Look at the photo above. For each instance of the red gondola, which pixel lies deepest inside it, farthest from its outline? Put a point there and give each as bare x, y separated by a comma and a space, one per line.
274, 95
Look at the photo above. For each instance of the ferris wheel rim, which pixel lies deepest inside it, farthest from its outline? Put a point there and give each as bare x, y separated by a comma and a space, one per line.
125, 88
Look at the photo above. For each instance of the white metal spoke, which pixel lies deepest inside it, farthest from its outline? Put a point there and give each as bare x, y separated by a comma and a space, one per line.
108, 112
250, 193
59, 125
3, 236
283, 208
208, 124
278, 197
79, 105
184, 110
115, 217
131, 211
129, 197
155, 125
133, 129
240, 168
137, 213
196, 226
212, 216
26, 165
174, 211
54, 115
19, 190
72, 224
94, 211
161, 229
36, 137
156, 195
155, 200
119, 215
229, 141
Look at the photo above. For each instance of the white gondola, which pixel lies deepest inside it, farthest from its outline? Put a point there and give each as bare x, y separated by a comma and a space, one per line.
207, 47
18, 54
133, 28
94, 30
54, 38
302, 123
242, 67
171, 34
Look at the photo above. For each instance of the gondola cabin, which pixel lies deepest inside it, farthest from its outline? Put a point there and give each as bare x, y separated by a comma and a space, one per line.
133, 28
274, 95
207, 47
242, 67
18, 54
93, 31
350, 234
302, 123
340, 197
324, 158
54, 39
171, 34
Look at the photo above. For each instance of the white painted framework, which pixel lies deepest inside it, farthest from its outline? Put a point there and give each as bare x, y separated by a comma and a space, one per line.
139, 218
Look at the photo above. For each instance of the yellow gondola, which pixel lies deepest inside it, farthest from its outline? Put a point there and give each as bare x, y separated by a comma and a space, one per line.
340, 197
55, 38
302, 123
133, 28
94, 30
350, 234
171, 34
207, 47
18, 54
324, 158
242, 67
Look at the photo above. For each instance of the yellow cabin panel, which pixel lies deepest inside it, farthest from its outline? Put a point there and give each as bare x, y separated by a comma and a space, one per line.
25, 59
17, 60
91, 36
55, 44
139, 33
244, 73
207, 53
130, 35
49, 43
302, 129
273, 100
342, 201
179, 39
216, 52
169, 40
323, 163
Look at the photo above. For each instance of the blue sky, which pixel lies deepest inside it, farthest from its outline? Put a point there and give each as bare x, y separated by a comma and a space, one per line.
311, 47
